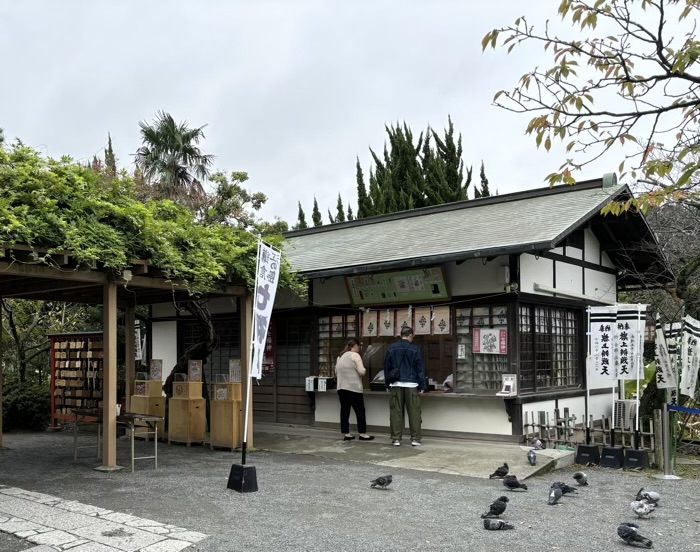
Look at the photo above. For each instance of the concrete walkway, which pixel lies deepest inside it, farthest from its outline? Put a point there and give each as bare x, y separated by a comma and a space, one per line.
441, 455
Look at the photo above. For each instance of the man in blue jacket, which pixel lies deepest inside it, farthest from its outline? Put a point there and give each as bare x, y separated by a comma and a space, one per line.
404, 361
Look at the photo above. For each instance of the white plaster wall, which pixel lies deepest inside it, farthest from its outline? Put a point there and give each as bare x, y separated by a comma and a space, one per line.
600, 285
574, 252
591, 247
332, 291
440, 413
606, 260
473, 276
165, 345
569, 277
535, 270
598, 405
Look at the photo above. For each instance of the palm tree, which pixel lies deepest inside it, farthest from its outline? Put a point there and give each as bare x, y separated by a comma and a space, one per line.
171, 160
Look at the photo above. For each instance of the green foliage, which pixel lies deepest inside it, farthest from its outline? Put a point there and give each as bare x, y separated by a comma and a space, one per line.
340, 215
25, 406
484, 192
110, 158
60, 205
301, 219
411, 175
652, 398
623, 77
316, 214
649, 375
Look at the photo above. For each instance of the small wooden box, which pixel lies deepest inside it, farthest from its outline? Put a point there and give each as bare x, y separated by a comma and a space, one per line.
187, 389
230, 391
225, 430
148, 388
154, 406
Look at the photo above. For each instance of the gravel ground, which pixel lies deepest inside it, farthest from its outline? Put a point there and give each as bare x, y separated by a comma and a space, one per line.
312, 503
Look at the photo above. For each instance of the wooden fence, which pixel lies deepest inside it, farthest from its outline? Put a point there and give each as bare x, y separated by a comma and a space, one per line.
563, 430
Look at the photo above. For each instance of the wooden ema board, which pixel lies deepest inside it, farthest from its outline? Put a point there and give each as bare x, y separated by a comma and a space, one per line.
149, 405
148, 388
225, 430
186, 420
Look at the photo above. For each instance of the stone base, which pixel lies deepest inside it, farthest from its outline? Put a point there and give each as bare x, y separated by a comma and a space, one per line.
636, 459
612, 457
587, 454
243, 479
108, 469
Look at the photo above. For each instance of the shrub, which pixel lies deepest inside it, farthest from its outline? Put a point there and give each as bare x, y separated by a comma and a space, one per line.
25, 406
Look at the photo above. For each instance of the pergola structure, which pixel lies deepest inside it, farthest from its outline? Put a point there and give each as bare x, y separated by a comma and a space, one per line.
22, 276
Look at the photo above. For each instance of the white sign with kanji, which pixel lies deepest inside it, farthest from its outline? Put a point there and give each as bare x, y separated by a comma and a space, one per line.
267, 274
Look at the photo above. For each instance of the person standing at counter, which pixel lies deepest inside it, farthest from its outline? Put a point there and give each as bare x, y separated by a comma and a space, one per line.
349, 371
404, 375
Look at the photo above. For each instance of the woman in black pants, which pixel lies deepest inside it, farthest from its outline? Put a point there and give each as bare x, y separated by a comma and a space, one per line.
349, 371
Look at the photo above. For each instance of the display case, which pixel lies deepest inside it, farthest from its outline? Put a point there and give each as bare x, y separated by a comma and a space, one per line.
186, 408
148, 394
225, 419
76, 366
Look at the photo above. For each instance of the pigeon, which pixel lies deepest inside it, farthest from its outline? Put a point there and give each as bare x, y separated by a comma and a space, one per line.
496, 525
650, 497
629, 532
565, 489
512, 483
382, 482
641, 508
581, 478
537, 444
500, 472
497, 507
532, 457
554, 495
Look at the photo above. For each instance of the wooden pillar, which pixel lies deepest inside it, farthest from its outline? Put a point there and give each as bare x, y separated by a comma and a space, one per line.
246, 336
109, 382
1, 375
130, 352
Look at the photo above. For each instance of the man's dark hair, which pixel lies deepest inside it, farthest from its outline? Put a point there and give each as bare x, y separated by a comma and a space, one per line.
406, 331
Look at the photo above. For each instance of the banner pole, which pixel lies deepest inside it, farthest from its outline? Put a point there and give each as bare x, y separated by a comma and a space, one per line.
640, 351
588, 377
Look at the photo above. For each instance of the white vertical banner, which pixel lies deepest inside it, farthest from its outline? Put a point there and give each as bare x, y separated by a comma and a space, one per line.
690, 356
665, 369
600, 363
629, 345
267, 273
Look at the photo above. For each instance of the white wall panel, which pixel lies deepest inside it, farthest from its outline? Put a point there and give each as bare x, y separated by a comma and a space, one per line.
574, 252
165, 345
535, 270
601, 285
591, 247
332, 291
473, 276
568, 277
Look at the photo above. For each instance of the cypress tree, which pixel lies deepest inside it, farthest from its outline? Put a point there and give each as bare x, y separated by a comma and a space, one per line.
110, 159
364, 208
340, 216
484, 182
316, 214
330, 217
301, 219
350, 216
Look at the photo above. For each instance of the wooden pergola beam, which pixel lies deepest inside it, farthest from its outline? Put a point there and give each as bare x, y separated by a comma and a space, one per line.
40, 271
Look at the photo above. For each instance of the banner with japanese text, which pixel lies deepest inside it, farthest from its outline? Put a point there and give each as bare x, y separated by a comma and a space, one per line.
690, 356
629, 346
602, 330
665, 367
267, 274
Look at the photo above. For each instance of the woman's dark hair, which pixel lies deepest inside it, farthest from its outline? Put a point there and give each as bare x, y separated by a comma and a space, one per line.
349, 345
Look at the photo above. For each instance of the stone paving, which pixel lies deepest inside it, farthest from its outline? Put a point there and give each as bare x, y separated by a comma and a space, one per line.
55, 524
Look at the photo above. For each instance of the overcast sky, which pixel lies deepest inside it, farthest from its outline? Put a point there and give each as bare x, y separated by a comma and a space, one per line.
292, 91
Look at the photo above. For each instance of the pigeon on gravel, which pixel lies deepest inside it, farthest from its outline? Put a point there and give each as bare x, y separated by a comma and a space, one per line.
581, 478
649, 497
497, 507
511, 482
641, 508
532, 457
629, 532
565, 489
537, 444
382, 482
554, 495
500, 472
496, 525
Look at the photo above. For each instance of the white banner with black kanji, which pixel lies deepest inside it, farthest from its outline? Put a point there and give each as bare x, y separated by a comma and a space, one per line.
600, 365
690, 356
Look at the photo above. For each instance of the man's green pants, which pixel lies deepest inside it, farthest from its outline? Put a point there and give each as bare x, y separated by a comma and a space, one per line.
405, 397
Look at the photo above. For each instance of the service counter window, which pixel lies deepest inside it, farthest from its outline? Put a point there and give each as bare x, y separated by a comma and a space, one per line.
549, 351
482, 348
